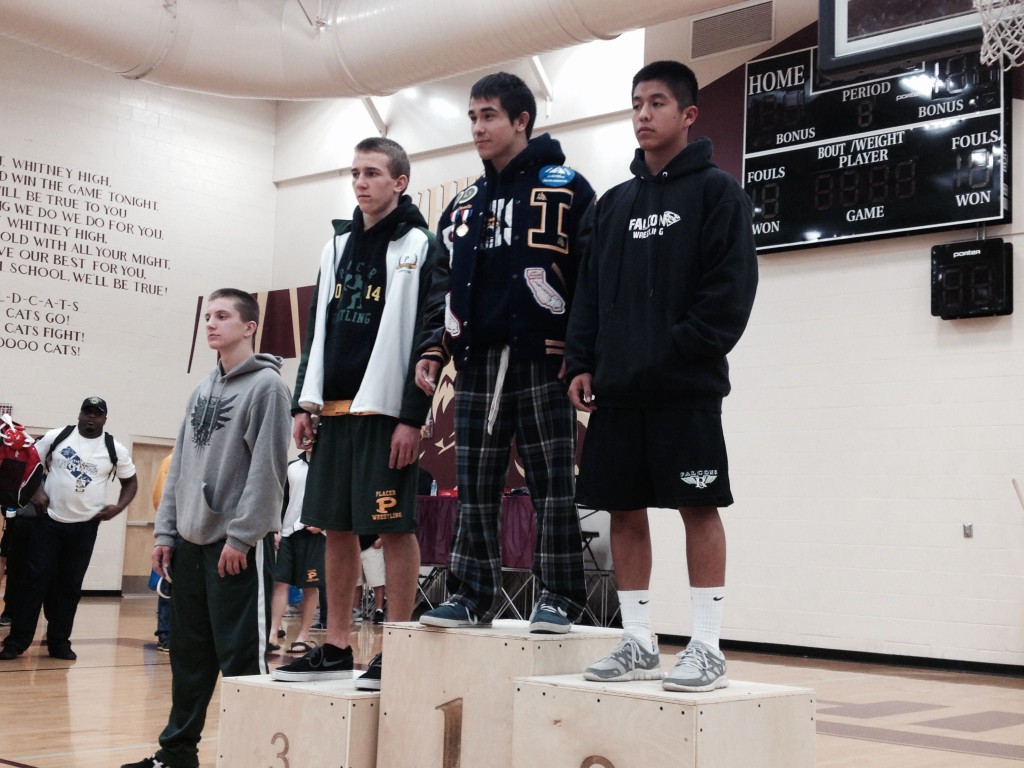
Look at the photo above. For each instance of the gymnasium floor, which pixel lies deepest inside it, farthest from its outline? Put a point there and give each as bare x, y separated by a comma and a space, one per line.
108, 707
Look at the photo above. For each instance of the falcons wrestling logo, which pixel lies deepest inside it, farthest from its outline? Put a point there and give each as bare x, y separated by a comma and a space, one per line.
700, 479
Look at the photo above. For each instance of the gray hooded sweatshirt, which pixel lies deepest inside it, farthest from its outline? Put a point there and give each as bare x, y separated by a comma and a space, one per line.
226, 480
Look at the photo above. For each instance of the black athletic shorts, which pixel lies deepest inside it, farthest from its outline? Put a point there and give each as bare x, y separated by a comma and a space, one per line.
300, 559
635, 458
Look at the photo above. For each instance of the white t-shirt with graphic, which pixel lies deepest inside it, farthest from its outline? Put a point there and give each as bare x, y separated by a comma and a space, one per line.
297, 471
79, 474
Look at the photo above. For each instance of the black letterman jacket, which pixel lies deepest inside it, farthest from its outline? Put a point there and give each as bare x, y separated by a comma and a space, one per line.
551, 219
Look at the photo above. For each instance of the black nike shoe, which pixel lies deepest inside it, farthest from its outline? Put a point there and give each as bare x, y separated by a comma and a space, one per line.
370, 680
325, 662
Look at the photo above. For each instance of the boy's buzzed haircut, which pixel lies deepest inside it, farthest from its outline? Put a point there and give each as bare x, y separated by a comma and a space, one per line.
398, 160
677, 76
246, 305
514, 95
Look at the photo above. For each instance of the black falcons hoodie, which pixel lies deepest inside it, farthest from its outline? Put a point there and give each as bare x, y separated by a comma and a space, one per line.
667, 287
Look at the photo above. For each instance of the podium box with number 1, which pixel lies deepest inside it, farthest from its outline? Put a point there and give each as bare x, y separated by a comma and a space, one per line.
447, 694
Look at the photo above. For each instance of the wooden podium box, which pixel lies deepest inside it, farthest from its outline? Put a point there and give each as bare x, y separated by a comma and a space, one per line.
265, 722
567, 721
447, 694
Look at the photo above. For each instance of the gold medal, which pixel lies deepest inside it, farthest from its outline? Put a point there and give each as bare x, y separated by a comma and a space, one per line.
462, 230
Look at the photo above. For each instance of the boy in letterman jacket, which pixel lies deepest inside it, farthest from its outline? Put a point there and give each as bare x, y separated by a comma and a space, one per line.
664, 295
215, 526
509, 246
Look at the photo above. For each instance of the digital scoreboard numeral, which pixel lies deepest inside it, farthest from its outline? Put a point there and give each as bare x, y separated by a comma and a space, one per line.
765, 198
973, 278
974, 169
954, 76
866, 185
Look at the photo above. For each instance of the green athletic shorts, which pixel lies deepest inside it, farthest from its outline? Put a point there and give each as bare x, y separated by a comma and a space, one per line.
350, 486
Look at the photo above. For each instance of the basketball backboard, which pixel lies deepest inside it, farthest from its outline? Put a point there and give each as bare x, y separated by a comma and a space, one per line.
869, 35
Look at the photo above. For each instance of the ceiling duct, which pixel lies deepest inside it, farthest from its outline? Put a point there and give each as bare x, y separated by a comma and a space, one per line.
738, 27
271, 49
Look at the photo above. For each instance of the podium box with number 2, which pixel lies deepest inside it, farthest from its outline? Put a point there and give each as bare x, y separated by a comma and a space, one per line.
568, 721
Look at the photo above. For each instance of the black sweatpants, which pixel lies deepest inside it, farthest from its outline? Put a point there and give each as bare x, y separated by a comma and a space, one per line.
18, 536
219, 626
58, 558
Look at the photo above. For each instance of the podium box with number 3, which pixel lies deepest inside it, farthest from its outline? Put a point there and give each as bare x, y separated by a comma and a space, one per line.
265, 722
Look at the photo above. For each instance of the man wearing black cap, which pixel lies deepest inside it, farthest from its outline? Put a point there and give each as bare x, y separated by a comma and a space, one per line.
71, 503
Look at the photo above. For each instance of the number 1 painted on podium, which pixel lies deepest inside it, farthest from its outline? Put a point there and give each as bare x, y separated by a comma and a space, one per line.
452, 733
452, 756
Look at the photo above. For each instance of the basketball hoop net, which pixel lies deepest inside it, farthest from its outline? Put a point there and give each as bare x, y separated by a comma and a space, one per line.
1002, 22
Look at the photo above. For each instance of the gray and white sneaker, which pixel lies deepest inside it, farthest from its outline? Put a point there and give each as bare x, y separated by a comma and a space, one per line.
699, 668
628, 661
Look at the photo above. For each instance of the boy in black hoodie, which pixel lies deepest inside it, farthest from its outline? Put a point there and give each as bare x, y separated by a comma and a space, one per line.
662, 298
512, 242
356, 375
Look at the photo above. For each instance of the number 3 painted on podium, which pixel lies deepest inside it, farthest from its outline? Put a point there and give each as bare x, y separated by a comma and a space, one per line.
282, 754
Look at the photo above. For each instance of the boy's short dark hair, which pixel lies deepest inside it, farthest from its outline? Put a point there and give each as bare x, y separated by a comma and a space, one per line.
514, 95
677, 76
246, 305
398, 160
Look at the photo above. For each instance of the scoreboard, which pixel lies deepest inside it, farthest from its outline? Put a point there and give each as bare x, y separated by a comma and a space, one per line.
923, 148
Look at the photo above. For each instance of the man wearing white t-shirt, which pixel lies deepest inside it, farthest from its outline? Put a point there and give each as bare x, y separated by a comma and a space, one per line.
72, 502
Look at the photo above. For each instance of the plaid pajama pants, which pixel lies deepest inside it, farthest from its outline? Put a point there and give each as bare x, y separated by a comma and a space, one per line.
535, 409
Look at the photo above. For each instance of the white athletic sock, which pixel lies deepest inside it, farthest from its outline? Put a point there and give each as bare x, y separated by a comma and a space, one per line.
636, 616
707, 613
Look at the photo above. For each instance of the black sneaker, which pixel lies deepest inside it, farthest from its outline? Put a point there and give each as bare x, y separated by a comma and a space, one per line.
5, 620
148, 762
325, 662
370, 679
64, 653
378, 616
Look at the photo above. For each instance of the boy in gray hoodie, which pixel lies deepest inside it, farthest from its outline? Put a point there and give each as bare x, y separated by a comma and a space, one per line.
214, 529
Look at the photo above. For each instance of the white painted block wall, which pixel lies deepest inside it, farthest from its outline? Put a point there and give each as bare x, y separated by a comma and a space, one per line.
207, 164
